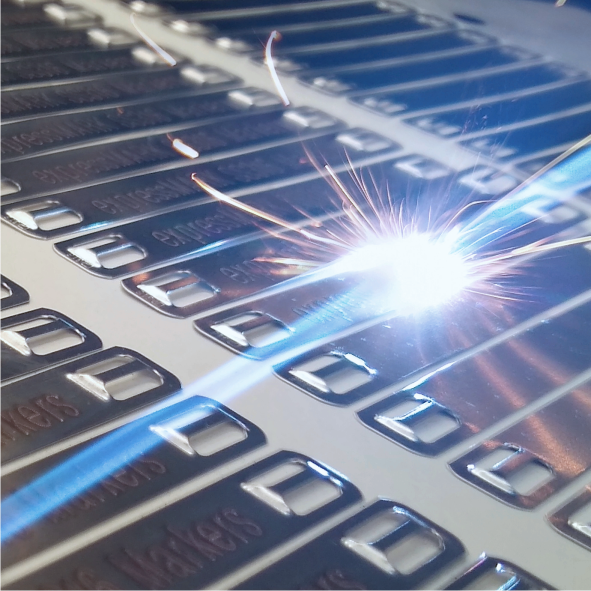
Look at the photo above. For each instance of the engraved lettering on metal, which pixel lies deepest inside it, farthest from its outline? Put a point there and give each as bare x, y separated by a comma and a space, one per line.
93, 207
12, 294
29, 138
507, 575
553, 444
347, 557
77, 396
460, 387
55, 173
116, 90
47, 69
161, 467
20, 346
195, 230
568, 522
198, 539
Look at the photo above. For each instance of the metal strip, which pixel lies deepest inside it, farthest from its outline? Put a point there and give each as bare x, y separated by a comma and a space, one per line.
217, 278
507, 575
16, 295
193, 231
18, 346
116, 90
56, 173
336, 560
164, 464
50, 134
555, 442
200, 538
73, 398
86, 65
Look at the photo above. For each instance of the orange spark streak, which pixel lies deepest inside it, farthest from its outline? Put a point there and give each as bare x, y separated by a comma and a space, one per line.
184, 149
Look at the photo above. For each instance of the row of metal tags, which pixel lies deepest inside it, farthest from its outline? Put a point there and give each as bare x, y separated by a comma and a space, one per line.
50, 497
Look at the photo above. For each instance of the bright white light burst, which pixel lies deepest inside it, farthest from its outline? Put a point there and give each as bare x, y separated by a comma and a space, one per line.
417, 271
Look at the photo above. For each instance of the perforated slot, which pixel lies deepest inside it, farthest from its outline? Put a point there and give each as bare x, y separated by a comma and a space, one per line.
338, 374
109, 252
517, 472
376, 527
254, 329
8, 187
179, 289
312, 496
418, 418
495, 579
217, 437
48, 215
294, 488
40, 338
413, 551
119, 378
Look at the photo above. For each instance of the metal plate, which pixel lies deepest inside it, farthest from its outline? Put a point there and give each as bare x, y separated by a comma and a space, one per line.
120, 477
555, 442
16, 295
505, 574
502, 379
56, 173
50, 134
417, 70
73, 398
207, 535
392, 351
195, 230
20, 341
241, 271
565, 520
117, 90
19, 44
46, 70
340, 559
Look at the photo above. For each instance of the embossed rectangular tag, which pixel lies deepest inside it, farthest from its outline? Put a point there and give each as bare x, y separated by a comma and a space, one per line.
389, 352
361, 553
198, 435
214, 225
31, 138
209, 534
73, 398
12, 294
35, 340
116, 90
55, 173
552, 446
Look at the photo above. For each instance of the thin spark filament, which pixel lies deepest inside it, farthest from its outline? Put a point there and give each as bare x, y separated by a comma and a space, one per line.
152, 44
270, 63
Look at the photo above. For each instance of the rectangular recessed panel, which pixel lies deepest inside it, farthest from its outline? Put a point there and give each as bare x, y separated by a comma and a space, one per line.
415, 70
444, 94
29, 138
54, 173
68, 400
205, 536
25, 338
347, 558
198, 229
116, 90
116, 472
